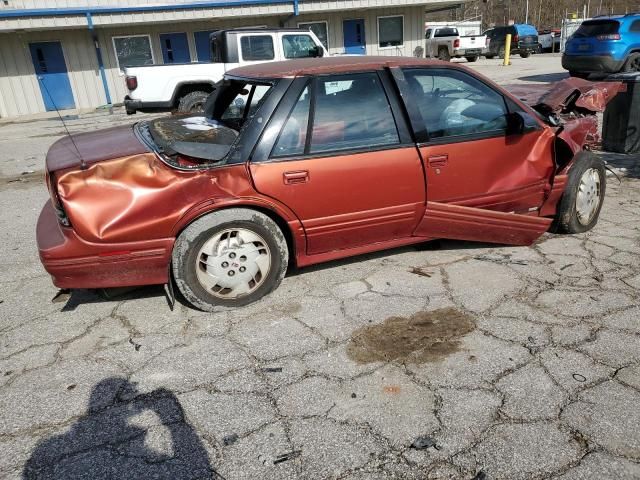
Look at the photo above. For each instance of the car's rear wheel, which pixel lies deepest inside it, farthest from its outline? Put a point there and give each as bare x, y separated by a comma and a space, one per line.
582, 200
501, 52
633, 63
443, 54
192, 102
472, 59
229, 258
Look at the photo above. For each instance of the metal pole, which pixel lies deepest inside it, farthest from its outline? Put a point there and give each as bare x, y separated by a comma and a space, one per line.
96, 44
507, 50
526, 15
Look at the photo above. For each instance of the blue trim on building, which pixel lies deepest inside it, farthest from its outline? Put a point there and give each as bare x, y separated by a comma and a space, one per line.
57, 12
96, 43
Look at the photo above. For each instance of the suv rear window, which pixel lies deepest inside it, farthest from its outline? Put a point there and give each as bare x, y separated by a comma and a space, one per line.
593, 28
446, 32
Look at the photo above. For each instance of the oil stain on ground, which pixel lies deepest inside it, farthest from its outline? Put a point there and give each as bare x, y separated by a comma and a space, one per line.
420, 338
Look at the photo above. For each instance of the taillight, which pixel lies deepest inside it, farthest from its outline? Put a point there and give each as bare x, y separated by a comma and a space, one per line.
456, 43
515, 39
132, 82
611, 36
55, 200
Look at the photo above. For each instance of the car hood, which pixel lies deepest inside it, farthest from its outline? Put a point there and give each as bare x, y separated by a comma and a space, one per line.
567, 95
93, 147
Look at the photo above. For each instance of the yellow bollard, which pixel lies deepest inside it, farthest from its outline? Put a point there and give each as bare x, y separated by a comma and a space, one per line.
507, 50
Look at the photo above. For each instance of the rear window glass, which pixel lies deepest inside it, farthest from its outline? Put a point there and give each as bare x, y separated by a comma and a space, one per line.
446, 32
594, 28
257, 47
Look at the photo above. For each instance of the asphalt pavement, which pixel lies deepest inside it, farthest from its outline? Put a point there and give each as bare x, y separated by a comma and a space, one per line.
449, 360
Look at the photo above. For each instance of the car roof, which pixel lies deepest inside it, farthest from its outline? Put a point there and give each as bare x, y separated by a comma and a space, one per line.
323, 66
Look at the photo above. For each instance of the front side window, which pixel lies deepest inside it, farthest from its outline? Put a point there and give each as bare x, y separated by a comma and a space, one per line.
257, 47
452, 103
391, 31
319, 29
298, 46
349, 112
134, 51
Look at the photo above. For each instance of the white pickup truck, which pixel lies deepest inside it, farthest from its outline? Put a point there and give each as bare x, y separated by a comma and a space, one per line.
186, 86
446, 43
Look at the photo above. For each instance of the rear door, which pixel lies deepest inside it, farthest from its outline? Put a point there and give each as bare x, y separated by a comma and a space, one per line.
338, 153
482, 184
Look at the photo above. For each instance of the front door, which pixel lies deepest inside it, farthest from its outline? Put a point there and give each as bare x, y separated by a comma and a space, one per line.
482, 184
53, 78
342, 166
354, 38
175, 48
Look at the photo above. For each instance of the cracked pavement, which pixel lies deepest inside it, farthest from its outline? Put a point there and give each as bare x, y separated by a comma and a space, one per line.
546, 384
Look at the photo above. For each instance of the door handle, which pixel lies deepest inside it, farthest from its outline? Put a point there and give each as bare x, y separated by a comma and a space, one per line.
290, 178
438, 160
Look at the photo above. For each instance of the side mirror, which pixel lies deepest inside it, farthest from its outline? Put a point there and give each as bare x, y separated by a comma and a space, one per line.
317, 52
515, 123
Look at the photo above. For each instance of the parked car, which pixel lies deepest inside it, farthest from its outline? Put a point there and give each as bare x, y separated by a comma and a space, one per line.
604, 45
549, 41
446, 43
524, 40
339, 156
185, 86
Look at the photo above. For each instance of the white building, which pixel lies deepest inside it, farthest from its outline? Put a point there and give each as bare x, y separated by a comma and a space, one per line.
82, 41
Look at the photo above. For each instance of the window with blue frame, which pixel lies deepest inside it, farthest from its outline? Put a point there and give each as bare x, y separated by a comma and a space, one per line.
203, 51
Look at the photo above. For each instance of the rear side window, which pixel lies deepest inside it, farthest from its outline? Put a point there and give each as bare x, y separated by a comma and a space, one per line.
347, 112
593, 28
257, 47
635, 26
446, 32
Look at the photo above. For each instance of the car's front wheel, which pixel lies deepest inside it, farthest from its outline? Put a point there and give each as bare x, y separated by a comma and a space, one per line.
525, 54
229, 258
581, 202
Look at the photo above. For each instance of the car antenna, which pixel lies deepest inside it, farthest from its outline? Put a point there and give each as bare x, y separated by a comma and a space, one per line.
83, 164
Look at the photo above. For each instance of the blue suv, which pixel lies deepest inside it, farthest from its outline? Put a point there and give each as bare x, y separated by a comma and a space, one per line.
610, 45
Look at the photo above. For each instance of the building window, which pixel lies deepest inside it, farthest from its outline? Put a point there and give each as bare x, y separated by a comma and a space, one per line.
320, 30
203, 49
133, 51
257, 47
391, 31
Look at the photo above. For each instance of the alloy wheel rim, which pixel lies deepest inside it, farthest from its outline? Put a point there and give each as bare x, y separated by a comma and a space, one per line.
233, 263
588, 197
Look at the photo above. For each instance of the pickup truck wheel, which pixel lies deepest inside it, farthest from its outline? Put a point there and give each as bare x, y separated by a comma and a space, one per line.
489, 57
229, 258
192, 102
633, 63
501, 51
443, 54
525, 54
472, 58
581, 202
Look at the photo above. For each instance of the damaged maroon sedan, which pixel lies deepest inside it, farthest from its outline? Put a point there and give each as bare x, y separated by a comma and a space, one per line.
311, 160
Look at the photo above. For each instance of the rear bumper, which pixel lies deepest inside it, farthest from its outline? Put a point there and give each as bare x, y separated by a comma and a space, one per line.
591, 63
74, 263
132, 106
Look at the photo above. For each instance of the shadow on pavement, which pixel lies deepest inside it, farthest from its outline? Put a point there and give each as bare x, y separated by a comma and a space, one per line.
545, 77
147, 437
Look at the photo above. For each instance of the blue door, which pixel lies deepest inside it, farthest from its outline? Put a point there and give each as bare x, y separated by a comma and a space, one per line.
203, 50
175, 48
53, 78
354, 41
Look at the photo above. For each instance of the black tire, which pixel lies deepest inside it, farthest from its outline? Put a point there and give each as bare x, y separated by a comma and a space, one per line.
193, 102
582, 75
472, 59
191, 240
443, 54
489, 57
567, 219
525, 54
633, 63
501, 52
